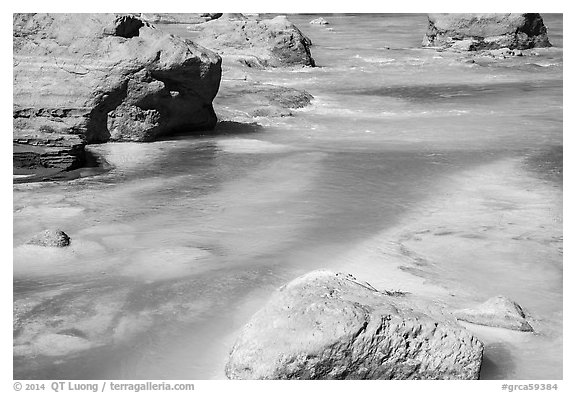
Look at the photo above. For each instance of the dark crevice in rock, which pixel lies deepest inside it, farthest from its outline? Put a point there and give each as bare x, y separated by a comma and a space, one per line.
97, 125
128, 26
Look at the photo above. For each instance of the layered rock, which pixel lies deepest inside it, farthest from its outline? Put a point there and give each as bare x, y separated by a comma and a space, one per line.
471, 32
85, 78
498, 311
49, 150
273, 42
330, 326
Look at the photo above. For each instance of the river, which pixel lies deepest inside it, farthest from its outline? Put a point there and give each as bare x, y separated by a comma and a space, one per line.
412, 170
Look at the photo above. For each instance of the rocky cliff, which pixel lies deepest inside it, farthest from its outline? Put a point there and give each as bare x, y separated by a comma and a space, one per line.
87, 78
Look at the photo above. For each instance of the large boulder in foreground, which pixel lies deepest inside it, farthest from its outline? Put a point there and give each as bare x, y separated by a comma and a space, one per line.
498, 311
273, 42
486, 31
106, 77
327, 325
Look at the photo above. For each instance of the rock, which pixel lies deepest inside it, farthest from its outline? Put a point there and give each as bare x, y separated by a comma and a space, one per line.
498, 311
319, 21
179, 18
472, 32
330, 326
51, 238
256, 43
32, 150
261, 99
214, 15
502, 53
89, 78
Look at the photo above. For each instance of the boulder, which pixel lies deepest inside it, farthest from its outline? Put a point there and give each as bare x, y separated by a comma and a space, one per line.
50, 238
498, 311
88, 78
472, 32
327, 325
319, 21
273, 42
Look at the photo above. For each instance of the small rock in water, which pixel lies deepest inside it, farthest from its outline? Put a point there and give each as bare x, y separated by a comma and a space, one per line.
319, 21
327, 325
51, 238
498, 311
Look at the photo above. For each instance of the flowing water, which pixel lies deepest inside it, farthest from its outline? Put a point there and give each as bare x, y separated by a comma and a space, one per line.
412, 169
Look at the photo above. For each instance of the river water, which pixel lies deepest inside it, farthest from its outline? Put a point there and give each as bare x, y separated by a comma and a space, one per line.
412, 169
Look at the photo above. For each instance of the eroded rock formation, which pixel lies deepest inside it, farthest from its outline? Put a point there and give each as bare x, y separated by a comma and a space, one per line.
330, 326
273, 42
85, 78
471, 32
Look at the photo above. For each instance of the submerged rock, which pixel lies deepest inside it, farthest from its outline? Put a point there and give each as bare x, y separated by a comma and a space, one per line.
53, 345
262, 99
262, 43
63, 322
319, 21
84, 78
327, 325
51, 238
472, 32
498, 311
